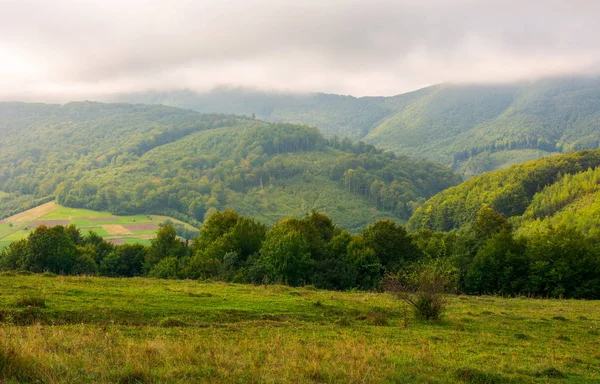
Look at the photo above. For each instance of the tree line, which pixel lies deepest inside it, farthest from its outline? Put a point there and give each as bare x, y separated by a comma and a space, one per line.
489, 258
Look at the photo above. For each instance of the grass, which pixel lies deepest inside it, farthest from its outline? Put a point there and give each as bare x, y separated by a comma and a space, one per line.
86, 219
144, 330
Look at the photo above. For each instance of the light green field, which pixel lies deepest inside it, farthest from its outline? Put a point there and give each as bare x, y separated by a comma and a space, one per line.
105, 224
101, 330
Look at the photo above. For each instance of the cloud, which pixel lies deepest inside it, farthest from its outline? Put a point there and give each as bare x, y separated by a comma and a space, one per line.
68, 49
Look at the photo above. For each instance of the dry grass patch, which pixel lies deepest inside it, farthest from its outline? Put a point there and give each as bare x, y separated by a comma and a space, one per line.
116, 229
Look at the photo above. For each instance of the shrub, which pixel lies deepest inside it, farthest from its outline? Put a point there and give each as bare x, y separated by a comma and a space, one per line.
14, 367
167, 268
31, 301
521, 336
170, 322
424, 287
475, 376
85, 265
378, 318
550, 372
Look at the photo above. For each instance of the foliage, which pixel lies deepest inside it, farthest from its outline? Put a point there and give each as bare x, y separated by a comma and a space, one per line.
134, 159
476, 128
533, 190
490, 258
425, 286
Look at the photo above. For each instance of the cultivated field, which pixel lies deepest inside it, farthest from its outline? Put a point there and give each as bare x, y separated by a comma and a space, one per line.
117, 229
100, 330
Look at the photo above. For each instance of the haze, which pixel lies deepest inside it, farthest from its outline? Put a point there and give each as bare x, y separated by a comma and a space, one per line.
73, 49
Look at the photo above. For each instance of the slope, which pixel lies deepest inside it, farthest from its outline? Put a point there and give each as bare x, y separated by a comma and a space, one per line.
116, 229
139, 159
552, 191
476, 128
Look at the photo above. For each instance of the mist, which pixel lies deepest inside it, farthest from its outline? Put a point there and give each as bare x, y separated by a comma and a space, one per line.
71, 49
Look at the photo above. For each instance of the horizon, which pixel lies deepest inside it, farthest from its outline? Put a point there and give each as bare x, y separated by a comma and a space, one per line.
116, 97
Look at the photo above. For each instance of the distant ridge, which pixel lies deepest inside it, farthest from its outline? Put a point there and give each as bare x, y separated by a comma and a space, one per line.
475, 128
132, 159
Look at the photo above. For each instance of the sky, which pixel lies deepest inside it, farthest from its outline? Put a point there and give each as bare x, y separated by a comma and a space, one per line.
82, 49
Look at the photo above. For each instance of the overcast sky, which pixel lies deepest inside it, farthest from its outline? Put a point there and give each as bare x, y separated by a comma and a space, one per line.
73, 49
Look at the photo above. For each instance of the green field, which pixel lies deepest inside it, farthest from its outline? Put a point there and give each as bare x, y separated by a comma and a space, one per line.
117, 229
143, 330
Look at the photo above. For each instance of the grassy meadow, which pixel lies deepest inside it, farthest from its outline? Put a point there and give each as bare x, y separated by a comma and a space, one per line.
116, 229
57, 329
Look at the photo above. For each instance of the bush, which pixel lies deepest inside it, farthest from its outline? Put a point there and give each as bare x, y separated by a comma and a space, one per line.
85, 265
14, 367
31, 301
167, 268
424, 286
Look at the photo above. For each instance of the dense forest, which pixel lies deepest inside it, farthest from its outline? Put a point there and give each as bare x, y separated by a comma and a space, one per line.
535, 195
475, 128
130, 159
312, 250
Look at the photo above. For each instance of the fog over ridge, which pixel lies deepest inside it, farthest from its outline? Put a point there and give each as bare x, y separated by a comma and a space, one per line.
72, 49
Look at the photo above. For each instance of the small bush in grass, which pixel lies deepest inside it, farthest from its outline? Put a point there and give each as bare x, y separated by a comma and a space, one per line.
343, 321
14, 368
170, 322
550, 372
424, 287
521, 336
476, 376
563, 338
37, 301
378, 318
132, 376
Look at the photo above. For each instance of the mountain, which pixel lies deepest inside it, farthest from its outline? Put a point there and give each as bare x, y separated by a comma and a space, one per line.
131, 159
475, 128
559, 190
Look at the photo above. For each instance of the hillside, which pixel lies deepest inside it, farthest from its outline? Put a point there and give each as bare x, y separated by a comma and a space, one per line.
138, 229
558, 190
476, 128
139, 159
108, 330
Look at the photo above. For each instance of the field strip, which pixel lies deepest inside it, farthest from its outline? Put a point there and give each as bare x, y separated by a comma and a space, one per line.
23, 219
116, 229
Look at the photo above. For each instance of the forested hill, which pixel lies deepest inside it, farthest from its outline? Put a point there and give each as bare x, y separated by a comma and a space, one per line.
154, 159
550, 192
476, 128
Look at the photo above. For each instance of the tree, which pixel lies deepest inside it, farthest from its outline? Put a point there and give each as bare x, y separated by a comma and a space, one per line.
165, 244
489, 222
85, 265
286, 256
102, 247
50, 249
391, 243
500, 266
